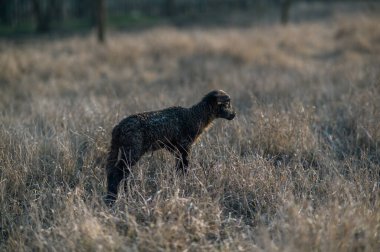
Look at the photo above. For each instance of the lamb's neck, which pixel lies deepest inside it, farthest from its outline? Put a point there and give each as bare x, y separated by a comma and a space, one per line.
203, 115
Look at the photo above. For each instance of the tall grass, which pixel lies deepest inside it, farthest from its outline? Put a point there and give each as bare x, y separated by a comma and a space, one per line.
297, 170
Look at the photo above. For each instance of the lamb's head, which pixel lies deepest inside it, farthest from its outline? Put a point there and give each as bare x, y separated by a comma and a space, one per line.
220, 104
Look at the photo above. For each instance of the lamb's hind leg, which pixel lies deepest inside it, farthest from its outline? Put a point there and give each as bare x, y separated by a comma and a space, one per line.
114, 177
119, 169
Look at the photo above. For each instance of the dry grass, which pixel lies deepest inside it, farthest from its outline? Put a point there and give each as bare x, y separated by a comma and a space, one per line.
297, 170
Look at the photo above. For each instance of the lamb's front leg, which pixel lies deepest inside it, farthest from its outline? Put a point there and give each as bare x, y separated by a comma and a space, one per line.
182, 159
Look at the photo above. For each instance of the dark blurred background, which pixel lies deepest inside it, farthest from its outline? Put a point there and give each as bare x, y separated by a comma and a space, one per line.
20, 18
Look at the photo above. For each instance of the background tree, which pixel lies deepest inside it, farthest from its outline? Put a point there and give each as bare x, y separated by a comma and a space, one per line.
42, 15
285, 8
44, 11
5, 12
101, 20
169, 8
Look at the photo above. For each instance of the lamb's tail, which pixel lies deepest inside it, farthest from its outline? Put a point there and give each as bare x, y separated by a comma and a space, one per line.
113, 154
112, 159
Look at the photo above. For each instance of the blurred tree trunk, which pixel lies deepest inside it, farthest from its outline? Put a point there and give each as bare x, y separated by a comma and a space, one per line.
101, 20
92, 13
57, 10
169, 8
285, 8
42, 11
5, 12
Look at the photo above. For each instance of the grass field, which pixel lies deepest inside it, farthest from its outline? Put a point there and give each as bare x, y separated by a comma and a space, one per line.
298, 169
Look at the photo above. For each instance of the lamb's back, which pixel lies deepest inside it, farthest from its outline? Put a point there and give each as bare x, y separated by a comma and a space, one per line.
162, 126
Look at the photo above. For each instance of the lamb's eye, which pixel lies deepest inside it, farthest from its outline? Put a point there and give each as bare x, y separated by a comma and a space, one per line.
225, 104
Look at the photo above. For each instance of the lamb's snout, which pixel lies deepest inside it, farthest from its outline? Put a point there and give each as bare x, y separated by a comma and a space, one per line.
231, 116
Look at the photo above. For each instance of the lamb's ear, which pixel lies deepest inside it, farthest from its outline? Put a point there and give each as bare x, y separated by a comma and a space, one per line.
211, 97
216, 97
